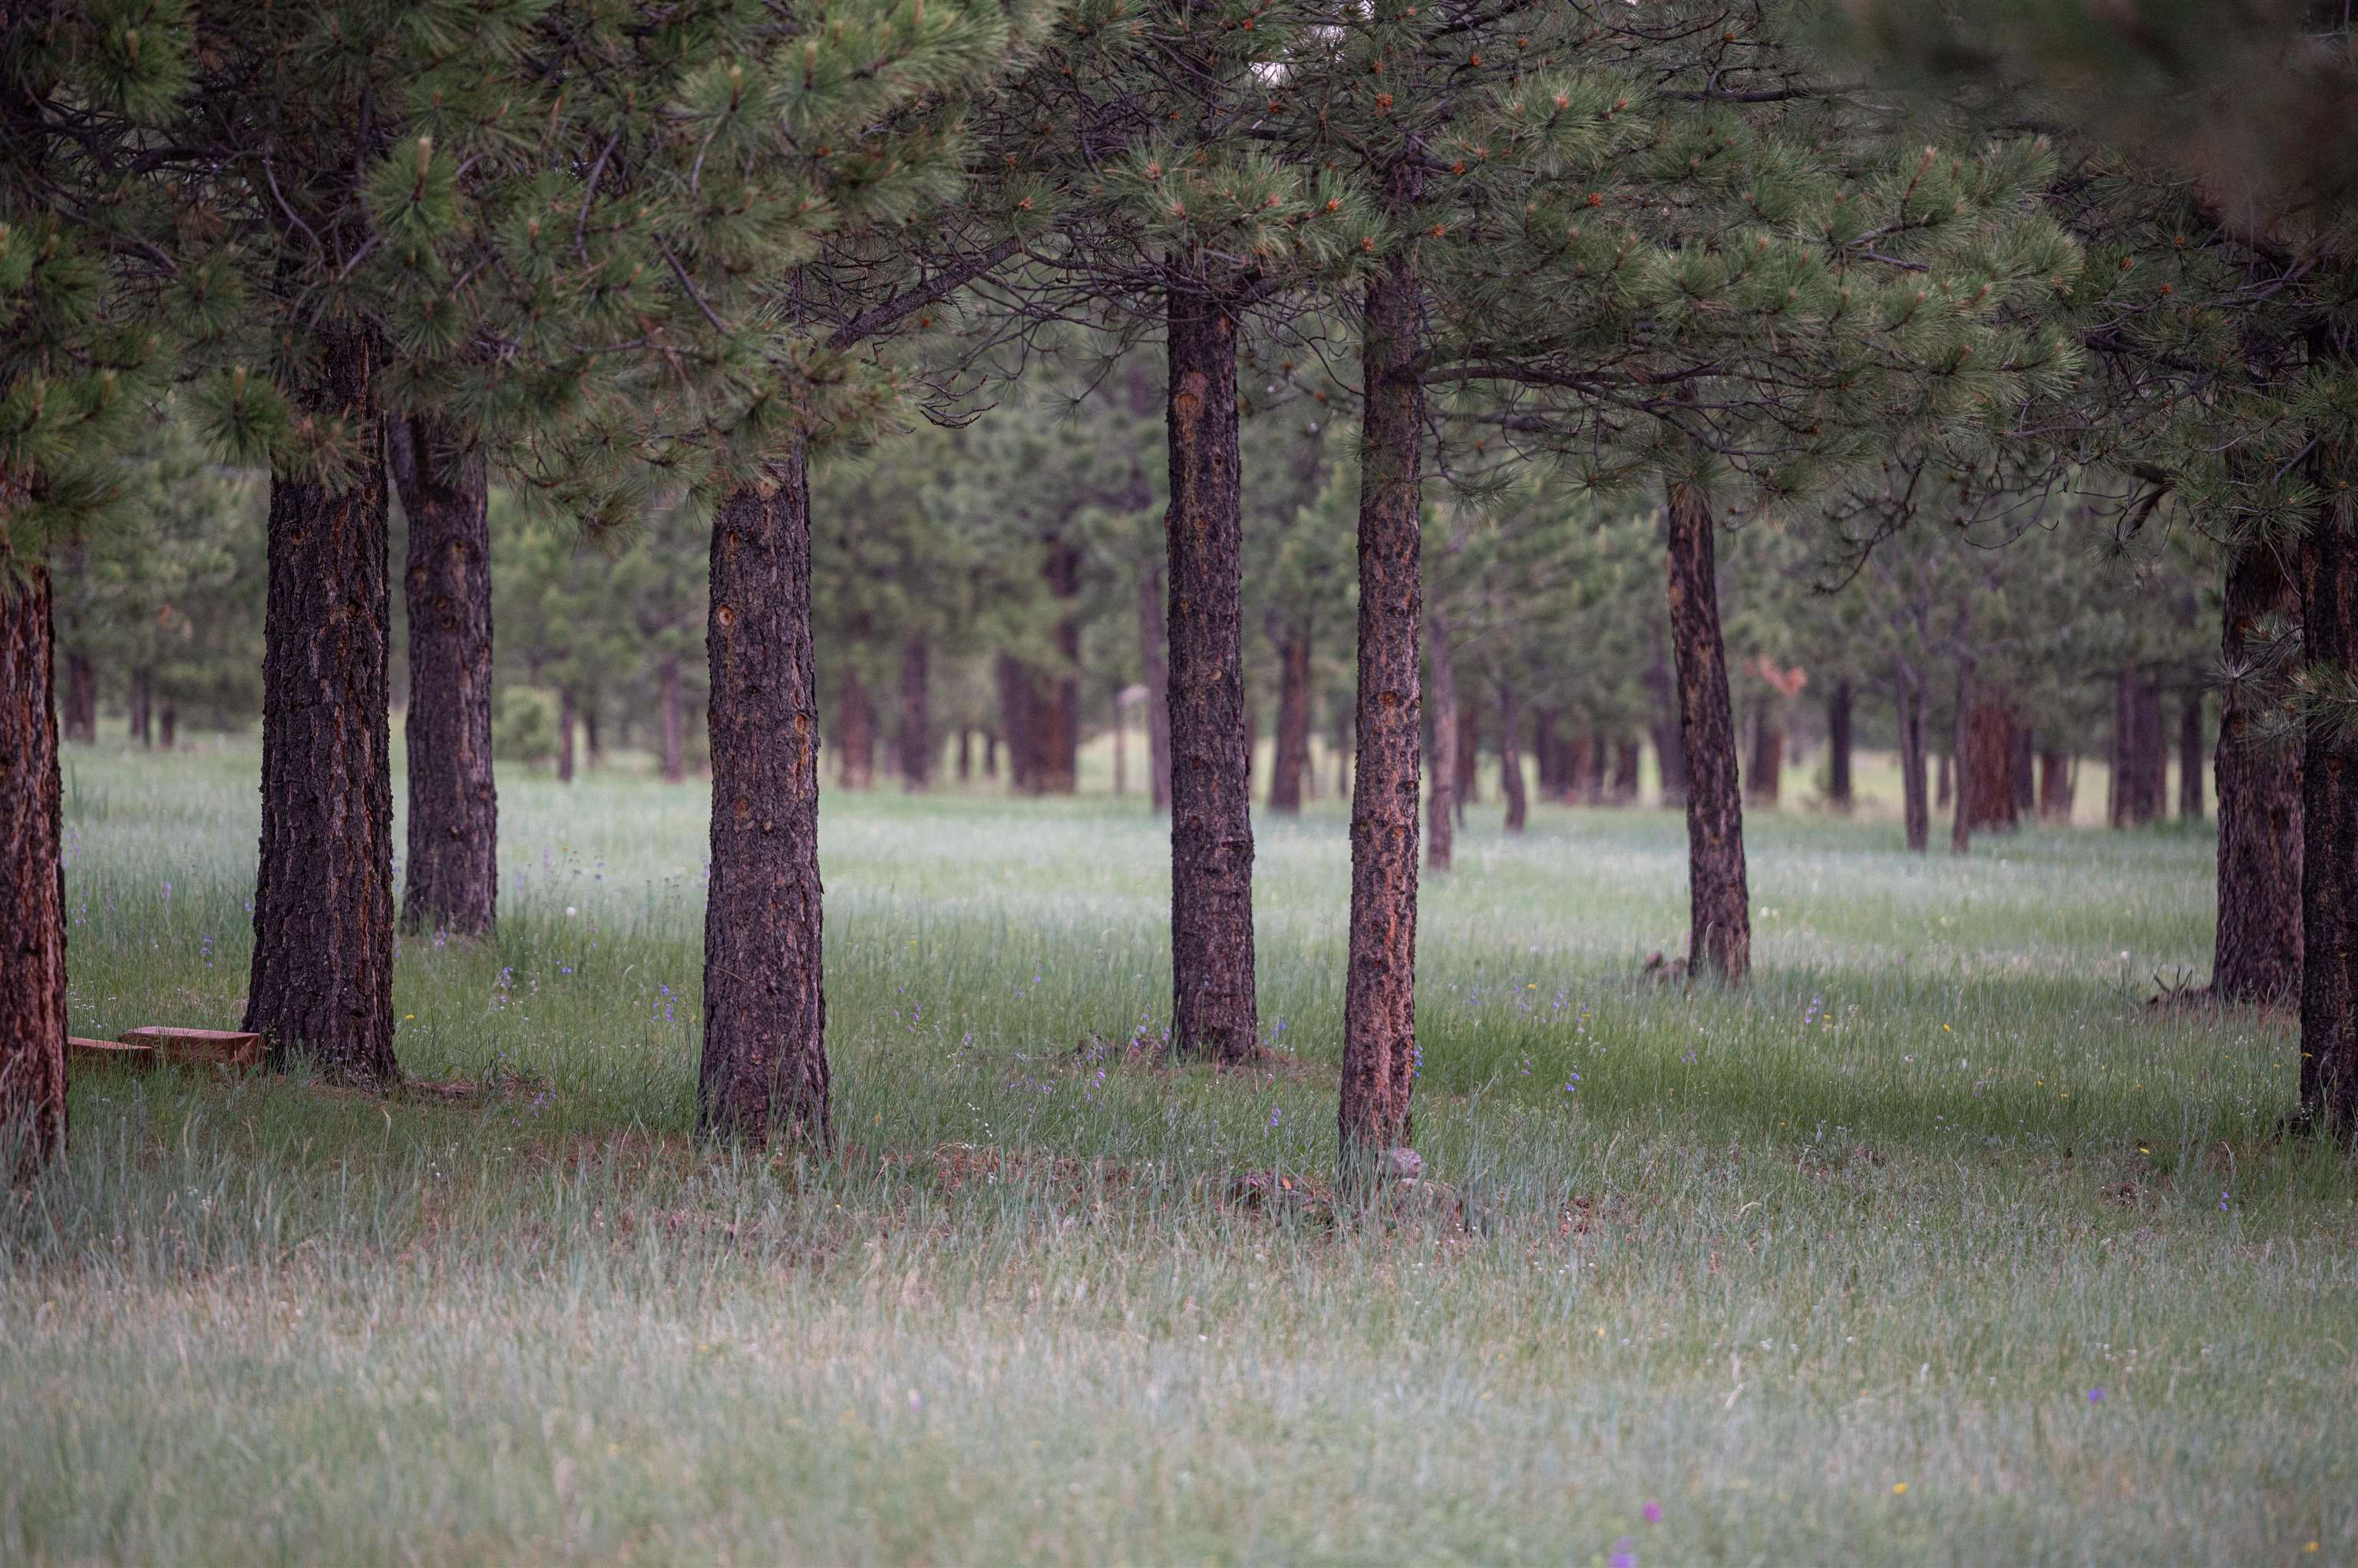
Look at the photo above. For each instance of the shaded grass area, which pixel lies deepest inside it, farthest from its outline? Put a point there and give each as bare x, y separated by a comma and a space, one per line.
1893, 1218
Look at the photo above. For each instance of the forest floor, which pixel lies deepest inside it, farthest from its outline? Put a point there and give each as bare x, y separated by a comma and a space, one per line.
1940, 1243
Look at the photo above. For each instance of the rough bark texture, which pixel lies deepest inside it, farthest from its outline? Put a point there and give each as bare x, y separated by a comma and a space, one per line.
915, 740
32, 880
1380, 1050
2190, 739
1440, 833
675, 722
2140, 760
855, 734
1839, 793
1213, 1011
81, 699
321, 984
2258, 955
2328, 798
1158, 687
565, 727
1510, 757
452, 879
764, 1065
1719, 897
1987, 794
1290, 768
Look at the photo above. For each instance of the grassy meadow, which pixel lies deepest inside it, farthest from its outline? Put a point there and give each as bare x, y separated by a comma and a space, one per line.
1937, 1244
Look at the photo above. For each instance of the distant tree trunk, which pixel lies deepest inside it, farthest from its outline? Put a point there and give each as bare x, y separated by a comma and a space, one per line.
565, 723
1543, 760
82, 701
167, 725
2054, 786
452, 879
916, 736
1158, 687
1914, 810
2328, 787
965, 754
1342, 752
32, 879
1765, 780
1469, 757
1380, 1049
2258, 955
138, 709
2190, 741
990, 753
2026, 785
320, 985
1120, 748
675, 722
1627, 759
855, 733
764, 1062
1057, 728
1017, 719
1947, 791
1510, 757
1838, 748
1960, 742
1442, 810
1290, 765
1987, 790
2154, 727
2138, 758
1670, 743
1719, 895
1213, 1010
595, 753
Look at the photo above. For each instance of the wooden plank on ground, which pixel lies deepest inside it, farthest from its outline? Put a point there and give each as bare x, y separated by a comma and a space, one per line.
81, 1052
198, 1047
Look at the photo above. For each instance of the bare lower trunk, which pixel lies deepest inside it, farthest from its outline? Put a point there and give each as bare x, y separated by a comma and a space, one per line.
1056, 716
1987, 789
990, 754
1945, 791
1670, 745
855, 734
1510, 757
320, 986
1627, 758
1838, 748
1380, 1050
1442, 810
915, 742
764, 1065
2055, 787
1019, 702
1341, 753
2190, 741
1213, 1010
82, 701
965, 754
2329, 786
452, 877
138, 708
1719, 896
675, 721
32, 880
1961, 819
590, 732
1915, 809
2258, 955
564, 726
1466, 782
1121, 747
167, 725
1764, 782
1158, 687
1290, 768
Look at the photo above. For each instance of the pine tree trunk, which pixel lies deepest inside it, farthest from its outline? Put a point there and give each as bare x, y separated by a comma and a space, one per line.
1669, 744
81, 699
590, 732
320, 987
1016, 702
675, 722
1719, 898
1961, 743
1120, 748
2026, 777
855, 734
1838, 748
2055, 790
1466, 784
1987, 790
990, 753
2153, 725
916, 741
1946, 791
965, 754
1290, 767
1543, 752
452, 877
1915, 810
2329, 786
1441, 813
1158, 687
1213, 1010
32, 879
167, 725
1380, 1050
565, 723
138, 708
1765, 781
2258, 955
1055, 762
764, 1064
1510, 757
1626, 760
1341, 753
2189, 758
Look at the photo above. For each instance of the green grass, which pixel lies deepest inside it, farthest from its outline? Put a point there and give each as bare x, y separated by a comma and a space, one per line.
1885, 1220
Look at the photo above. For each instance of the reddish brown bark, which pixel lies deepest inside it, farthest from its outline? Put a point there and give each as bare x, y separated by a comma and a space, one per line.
764, 1064
2256, 957
1380, 1049
1961, 745
1839, 792
1670, 745
32, 880
1915, 809
1510, 757
1764, 780
1719, 896
1989, 787
2055, 787
82, 701
320, 987
1214, 1008
452, 879
2328, 788
1290, 768
915, 740
2138, 754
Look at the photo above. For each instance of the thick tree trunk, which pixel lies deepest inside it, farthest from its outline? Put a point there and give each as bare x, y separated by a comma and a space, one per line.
32, 880
1915, 811
1838, 748
1961, 743
1764, 782
1214, 1009
320, 988
82, 701
452, 876
855, 734
167, 725
2329, 791
1510, 757
764, 1064
2258, 955
1289, 769
1017, 717
1441, 813
2055, 789
2139, 759
916, 741
2190, 741
564, 725
1158, 687
1380, 1051
1719, 896
138, 708
675, 721
1986, 794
